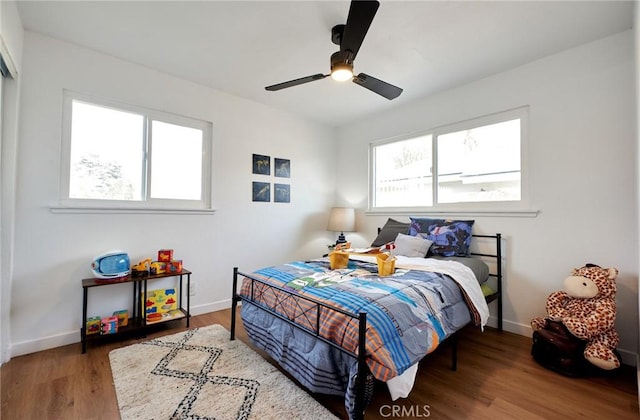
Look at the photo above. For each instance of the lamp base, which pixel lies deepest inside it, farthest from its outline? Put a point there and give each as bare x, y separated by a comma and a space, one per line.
341, 239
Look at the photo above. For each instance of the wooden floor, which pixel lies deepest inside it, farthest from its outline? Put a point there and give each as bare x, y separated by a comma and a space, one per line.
496, 379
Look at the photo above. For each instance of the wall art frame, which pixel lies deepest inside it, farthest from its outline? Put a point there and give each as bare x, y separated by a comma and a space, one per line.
281, 193
282, 167
261, 191
261, 164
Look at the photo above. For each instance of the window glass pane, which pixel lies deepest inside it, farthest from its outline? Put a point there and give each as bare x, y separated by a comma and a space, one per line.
106, 153
176, 162
402, 174
480, 164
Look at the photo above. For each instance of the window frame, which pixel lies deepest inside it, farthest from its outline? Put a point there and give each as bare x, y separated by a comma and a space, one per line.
519, 208
147, 204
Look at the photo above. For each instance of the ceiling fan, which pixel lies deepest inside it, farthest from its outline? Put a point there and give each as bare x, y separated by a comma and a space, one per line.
349, 37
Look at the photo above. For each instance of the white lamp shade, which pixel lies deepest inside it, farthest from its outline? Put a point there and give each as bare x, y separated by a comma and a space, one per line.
342, 219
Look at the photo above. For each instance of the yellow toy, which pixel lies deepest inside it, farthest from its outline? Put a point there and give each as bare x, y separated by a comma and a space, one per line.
142, 268
93, 325
158, 267
123, 317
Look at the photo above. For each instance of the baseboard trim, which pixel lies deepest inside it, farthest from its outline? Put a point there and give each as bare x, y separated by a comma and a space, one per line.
45, 343
72, 337
516, 328
210, 307
628, 357
6, 356
25, 347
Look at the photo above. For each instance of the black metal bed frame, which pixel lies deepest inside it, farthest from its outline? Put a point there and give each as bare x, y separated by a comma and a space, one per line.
498, 275
360, 354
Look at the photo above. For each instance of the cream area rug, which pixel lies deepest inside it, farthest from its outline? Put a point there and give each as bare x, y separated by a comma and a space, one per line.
201, 374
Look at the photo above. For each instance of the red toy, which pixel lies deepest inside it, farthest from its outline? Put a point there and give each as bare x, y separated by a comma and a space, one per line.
165, 255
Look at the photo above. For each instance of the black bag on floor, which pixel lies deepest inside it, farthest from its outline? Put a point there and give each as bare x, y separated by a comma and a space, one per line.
555, 348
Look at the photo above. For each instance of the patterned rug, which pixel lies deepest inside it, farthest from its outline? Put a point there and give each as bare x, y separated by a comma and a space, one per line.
201, 374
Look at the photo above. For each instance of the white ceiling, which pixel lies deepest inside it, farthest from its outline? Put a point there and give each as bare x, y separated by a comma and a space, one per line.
242, 46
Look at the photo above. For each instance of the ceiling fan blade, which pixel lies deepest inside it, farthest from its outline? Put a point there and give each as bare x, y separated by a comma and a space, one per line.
378, 86
361, 15
296, 82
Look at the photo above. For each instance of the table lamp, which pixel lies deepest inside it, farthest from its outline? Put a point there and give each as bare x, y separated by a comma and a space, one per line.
342, 219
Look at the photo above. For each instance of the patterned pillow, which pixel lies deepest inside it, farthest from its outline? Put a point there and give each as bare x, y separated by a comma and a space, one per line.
450, 237
422, 225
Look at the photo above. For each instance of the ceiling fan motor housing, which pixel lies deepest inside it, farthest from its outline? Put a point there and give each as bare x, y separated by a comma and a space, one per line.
341, 60
336, 34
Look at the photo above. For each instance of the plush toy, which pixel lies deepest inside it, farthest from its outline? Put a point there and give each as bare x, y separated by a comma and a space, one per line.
587, 308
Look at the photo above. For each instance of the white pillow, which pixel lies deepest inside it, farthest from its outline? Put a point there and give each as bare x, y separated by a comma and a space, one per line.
411, 246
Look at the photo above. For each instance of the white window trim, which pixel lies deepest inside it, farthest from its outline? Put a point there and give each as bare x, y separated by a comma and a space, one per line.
6, 57
74, 205
521, 208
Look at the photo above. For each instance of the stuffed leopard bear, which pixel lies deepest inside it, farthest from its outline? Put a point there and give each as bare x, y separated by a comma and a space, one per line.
587, 307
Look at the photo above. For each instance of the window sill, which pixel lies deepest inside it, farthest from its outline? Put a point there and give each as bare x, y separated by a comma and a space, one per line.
63, 209
447, 213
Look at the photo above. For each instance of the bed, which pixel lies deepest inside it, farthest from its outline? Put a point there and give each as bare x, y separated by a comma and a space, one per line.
315, 321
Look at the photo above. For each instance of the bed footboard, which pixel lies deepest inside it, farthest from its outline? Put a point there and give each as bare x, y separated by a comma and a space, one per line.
360, 318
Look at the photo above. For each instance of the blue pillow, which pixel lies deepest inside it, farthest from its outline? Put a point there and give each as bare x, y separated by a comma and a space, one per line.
450, 237
422, 225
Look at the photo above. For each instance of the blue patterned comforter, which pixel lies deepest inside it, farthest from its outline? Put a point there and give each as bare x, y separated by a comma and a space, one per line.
408, 315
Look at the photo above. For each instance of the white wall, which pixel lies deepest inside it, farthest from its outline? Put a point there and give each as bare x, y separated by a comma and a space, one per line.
11, 34
11, 29
582, 163
582, 154
636, 46
53, 251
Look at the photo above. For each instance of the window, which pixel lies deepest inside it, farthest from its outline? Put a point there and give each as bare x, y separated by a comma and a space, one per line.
464, 166
402, 175
123, 156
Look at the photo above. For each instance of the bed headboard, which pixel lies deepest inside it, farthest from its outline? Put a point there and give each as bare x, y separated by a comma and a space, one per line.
496, 272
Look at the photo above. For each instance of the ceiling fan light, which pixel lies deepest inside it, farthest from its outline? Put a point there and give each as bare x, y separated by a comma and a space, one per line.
341, 74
